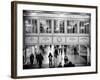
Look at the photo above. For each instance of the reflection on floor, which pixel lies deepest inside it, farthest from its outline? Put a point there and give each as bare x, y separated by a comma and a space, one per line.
77, 60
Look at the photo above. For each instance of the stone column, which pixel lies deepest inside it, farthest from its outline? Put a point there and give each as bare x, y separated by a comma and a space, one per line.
88, 55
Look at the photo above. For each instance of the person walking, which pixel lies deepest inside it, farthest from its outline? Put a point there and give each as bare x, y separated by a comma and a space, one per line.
50, 59
55, 57
31, 59
40, 59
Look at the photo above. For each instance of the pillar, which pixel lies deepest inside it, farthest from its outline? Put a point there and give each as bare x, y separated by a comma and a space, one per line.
88, 55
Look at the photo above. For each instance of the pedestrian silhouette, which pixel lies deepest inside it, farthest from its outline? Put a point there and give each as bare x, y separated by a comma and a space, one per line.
40, 57
31, 58
50, 59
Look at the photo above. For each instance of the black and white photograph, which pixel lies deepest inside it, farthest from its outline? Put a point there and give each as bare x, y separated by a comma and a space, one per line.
56, 39
53, 39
